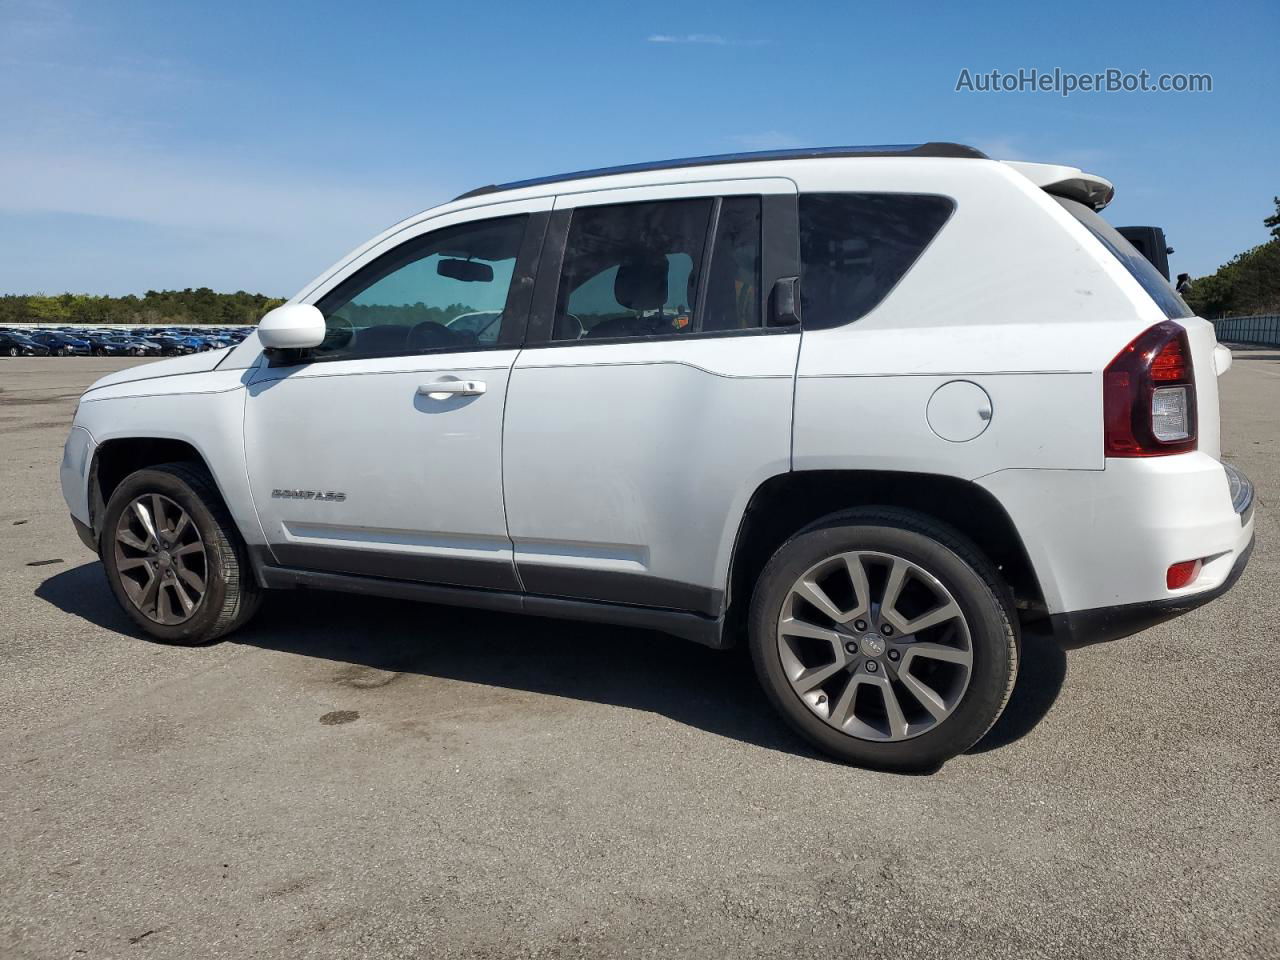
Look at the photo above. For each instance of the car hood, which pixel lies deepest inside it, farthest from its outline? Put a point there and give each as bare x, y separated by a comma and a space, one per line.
175, 366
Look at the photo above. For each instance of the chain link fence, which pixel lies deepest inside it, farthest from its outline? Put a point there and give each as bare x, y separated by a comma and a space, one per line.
1264, 329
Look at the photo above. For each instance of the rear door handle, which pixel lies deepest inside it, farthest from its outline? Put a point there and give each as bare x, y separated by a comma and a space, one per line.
443, 389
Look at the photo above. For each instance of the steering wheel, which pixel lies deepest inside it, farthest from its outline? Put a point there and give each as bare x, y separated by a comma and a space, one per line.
429, 334
582, 330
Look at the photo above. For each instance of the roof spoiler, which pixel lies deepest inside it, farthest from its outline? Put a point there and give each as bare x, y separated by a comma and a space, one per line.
1070, 182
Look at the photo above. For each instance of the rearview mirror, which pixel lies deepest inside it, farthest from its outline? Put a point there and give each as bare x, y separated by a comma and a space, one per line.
293, 326
467, 271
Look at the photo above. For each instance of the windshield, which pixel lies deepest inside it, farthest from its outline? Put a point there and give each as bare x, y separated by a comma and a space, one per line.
1139, 267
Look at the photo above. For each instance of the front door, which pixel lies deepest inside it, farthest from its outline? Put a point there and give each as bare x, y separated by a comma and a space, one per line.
379, 453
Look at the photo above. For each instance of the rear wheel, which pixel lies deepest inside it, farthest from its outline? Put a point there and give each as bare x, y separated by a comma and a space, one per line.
885, 638
174, 558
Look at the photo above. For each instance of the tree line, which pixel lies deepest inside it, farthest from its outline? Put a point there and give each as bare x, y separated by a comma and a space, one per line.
1246, 285
155, 307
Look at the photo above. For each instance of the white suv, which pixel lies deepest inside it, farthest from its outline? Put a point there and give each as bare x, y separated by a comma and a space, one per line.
877, 409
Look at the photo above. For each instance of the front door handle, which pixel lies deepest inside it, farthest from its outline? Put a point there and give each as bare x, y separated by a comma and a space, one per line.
443, 389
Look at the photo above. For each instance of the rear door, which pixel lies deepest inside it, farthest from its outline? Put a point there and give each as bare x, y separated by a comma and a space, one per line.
651, 398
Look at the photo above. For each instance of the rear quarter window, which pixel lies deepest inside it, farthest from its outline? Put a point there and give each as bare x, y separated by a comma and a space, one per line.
856, 247
1139, 267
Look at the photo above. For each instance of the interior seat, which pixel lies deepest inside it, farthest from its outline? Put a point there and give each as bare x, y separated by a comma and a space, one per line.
640, 285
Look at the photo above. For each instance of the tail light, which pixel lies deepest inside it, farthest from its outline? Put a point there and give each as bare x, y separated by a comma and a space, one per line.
1149, 395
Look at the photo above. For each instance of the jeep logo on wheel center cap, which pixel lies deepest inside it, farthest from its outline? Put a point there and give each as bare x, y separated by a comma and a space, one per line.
872, 645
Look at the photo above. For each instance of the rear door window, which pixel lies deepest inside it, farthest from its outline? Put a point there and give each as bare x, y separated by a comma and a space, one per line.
1139, 267
855, 247
646, 271
631, 270
732, 297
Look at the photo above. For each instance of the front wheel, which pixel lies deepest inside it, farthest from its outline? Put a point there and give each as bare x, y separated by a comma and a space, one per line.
13, 351
885, 638
173, 556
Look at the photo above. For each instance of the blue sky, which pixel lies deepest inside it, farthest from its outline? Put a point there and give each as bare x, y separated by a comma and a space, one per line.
250, 144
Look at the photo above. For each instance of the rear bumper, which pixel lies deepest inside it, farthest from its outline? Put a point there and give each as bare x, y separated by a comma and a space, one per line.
1102, 541
1084, 628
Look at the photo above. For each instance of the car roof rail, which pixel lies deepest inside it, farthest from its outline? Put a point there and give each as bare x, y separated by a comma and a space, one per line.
931, 149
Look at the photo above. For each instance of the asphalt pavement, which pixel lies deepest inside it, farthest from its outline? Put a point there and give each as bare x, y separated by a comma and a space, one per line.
352, 777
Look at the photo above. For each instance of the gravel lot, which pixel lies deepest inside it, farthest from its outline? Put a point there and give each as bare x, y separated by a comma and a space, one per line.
359, 778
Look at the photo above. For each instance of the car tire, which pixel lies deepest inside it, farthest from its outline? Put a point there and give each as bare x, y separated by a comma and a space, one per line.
969, 660
60, 352
230, 594
13, 351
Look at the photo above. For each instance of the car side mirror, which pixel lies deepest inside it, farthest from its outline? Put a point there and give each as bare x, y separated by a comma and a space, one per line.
293, 326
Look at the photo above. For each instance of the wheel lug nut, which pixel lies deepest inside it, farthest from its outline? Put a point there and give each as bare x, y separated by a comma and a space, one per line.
887, 630
872, 666
851, 647
893, 655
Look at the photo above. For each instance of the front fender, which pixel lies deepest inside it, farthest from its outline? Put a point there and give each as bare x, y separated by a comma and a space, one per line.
208, 417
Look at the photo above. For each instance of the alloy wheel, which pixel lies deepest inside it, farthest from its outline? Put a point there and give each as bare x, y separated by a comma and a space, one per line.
875, 645
161, 559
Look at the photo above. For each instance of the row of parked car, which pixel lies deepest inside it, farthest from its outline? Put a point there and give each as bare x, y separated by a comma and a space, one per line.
103, 342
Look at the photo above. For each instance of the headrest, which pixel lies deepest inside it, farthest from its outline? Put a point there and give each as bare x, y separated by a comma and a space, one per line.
641, 283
